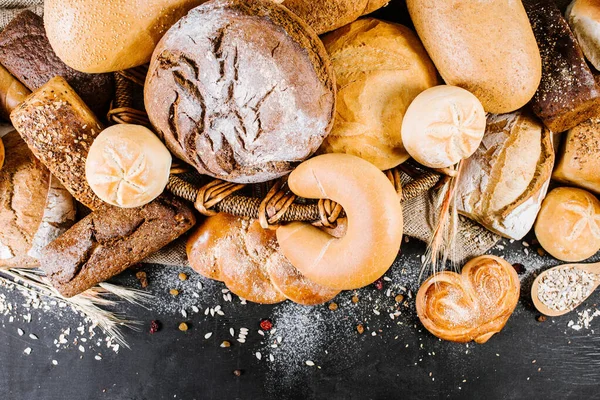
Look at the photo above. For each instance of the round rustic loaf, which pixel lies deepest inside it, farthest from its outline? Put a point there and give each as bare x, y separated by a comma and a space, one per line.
24, 183
243, 91
568, 225
128, 166
109, 35
443, 125
380, 68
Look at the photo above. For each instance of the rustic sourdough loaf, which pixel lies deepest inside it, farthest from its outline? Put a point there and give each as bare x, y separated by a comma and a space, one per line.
59, 128
23, 191
486, 47
27, 54
325, 16
380, 68
243, 91
502, 185
109, 35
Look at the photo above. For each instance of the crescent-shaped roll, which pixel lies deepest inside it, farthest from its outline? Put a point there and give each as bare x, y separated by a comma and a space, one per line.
472, 305
374, 232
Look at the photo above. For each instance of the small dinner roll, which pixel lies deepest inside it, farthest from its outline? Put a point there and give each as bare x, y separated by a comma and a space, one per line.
443, 125
128, 166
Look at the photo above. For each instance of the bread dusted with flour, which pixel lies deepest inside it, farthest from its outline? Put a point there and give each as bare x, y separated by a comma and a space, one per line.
243, 91
502, 185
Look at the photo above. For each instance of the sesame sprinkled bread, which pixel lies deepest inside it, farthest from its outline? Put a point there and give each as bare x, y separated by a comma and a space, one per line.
59, 129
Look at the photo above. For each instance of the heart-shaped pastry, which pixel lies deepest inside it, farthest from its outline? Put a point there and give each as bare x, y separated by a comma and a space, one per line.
473, 305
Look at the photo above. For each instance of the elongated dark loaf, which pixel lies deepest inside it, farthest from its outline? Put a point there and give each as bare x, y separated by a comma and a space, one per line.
107, 242
568, 93
26, 52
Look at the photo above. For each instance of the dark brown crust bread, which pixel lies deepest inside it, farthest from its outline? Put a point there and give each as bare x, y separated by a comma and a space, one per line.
23, 190
242, 90
59, 128
568, 93
26, 52
107, 242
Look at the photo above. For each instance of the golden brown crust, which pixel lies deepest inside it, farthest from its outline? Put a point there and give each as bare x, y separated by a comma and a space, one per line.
12, 93
568, 225
326, 16
24, 183
486, 47
263, 102
473, 305
59, 129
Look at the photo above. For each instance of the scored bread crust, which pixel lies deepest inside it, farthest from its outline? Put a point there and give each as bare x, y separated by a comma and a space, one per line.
23, 191
243, 91
502, 185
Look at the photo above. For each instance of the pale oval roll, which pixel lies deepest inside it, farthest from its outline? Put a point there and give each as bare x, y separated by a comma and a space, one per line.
443, 125
375, 223
128, 166
380, 68
486, 47
109, 35
584, 19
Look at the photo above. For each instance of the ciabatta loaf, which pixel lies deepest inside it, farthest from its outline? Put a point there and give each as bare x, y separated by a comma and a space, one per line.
503, 184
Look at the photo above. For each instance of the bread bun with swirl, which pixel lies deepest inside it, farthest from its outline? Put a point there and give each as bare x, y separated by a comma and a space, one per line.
472, 305
243, 91
246, 257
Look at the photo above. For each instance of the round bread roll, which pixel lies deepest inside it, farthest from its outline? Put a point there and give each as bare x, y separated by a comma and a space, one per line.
380, 68
374, 232
243, 91
568, 225
128, 166
1, 153
584, 19
486, 47
247, 258
443, 125
24, 183
109, 35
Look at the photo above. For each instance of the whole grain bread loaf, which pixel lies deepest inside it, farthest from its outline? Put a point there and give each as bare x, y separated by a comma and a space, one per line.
568, 93
26, 52
59, 128
108, 241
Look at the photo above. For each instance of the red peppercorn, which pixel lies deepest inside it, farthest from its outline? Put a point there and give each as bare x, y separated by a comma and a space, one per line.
154, 326
378, 284
520, 268
266, 324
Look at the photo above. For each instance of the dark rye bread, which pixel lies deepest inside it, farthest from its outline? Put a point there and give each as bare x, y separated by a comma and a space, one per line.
568, 93
242, 90
59, 129
107, 242
26, 52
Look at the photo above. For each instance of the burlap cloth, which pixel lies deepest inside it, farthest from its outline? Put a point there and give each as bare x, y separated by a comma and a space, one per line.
419, 213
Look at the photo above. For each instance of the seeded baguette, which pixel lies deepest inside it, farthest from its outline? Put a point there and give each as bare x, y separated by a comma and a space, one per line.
59, 129
107, 242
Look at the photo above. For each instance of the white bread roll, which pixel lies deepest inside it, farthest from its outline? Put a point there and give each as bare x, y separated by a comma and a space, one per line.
442, 126
109, 35
486, 47
128, 166
583, 17
503, 184
568, 225
380, 68
579, 160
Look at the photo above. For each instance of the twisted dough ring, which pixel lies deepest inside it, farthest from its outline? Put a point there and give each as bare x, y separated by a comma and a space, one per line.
375, 223
473, 305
